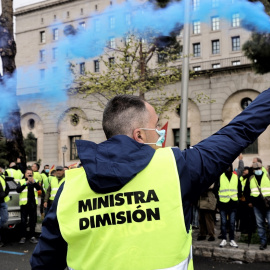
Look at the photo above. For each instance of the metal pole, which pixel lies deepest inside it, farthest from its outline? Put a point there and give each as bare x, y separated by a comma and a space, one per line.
185, 80
63, 159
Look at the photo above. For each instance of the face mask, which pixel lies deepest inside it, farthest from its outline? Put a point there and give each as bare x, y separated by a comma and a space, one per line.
161, 134
47, 170
258, 172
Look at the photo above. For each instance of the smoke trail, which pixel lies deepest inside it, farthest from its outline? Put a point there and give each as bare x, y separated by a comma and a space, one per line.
129, 16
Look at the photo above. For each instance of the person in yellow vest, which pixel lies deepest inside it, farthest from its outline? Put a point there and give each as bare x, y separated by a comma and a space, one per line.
259, 183
28, 188
14, 172
257, 159
44, 175
229, 190
130, 204
54, 185
4, 198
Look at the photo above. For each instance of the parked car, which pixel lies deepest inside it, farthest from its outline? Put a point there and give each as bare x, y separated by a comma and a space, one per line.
14, 213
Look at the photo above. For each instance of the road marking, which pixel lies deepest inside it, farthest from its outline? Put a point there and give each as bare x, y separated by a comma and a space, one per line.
11, 252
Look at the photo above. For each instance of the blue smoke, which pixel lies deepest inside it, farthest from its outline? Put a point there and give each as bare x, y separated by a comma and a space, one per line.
51, 84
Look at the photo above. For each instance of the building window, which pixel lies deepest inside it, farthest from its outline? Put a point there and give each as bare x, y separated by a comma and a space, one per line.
82, 25
42, 74
197, 68
252, 148
215, 47
215, 3
215, 23
82, 68
127, 58
111, 61
236, 63
74, 119
73, 148
67, 14
197, 49
236, 20
42, 37
217, 65
31, 123
112, 22
161, 57
236, 43
81, 11
54, 17
42, 55
245, 102
54, 53
195, 4
96, 65
196, 27
42, 20
55, 34
96, 7
128, 19
30, 145
112, 43
176, 133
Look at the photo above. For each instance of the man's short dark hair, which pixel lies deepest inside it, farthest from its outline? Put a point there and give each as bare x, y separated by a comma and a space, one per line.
46, 166
29, 169
123, 114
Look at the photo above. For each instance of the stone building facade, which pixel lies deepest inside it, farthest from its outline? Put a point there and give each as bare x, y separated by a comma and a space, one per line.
224, 75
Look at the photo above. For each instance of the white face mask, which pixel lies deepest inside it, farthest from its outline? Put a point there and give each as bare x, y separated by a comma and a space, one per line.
258, 172
161, 133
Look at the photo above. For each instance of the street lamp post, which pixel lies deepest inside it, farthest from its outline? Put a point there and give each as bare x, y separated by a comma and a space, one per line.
64, 149
185, 80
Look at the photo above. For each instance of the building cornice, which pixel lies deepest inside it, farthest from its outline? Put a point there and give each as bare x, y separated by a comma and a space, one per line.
40, 6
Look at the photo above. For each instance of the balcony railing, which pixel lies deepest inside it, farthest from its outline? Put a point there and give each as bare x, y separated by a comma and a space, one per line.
219, 63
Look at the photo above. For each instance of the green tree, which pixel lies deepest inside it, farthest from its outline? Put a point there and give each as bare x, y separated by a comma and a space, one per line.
12, 123
257, 48
3, 151
30, 143
132, 68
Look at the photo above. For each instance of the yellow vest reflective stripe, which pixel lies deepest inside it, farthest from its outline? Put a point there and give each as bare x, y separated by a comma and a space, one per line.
228, 189
23, 195
243, 182
141, 226
55, 186
16, 174
265, 186
3, 183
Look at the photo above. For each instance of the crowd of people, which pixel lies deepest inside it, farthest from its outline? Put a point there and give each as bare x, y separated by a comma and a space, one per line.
238, 196
31, 184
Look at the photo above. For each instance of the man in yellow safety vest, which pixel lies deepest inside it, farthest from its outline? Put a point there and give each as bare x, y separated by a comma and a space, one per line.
129, 205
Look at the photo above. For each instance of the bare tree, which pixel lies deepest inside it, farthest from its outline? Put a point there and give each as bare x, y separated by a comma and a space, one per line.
12, 122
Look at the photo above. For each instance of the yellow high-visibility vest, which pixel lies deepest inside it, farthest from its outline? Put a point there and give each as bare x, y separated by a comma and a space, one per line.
264, 186
55, 184
139, 227
3, 183
23, 198
228, 189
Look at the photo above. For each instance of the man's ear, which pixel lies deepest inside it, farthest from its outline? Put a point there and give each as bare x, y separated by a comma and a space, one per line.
138, 135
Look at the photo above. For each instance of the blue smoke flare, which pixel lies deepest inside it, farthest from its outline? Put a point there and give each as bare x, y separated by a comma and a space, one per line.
114, 22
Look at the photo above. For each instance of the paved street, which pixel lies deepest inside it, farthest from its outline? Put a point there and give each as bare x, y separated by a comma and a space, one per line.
202, 263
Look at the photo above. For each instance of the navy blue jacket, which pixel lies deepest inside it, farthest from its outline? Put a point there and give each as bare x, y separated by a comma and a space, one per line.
113, 163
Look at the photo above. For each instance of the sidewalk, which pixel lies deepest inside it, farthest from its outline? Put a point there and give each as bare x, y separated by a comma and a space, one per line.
243, 253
